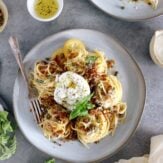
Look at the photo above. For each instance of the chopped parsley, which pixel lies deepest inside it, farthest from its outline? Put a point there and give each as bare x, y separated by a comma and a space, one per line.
39, 81
91, 59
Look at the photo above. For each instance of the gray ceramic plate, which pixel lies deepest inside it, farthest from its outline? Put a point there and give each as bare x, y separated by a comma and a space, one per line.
131, 12
133, 93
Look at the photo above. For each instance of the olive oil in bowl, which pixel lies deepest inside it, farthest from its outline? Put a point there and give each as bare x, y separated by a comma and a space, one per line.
46, 9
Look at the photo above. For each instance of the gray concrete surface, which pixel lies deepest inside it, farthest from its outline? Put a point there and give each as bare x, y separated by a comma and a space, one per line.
82, 14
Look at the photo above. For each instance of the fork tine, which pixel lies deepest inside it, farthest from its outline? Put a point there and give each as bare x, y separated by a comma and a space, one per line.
38, 107
36, 112
33, 111
41, 108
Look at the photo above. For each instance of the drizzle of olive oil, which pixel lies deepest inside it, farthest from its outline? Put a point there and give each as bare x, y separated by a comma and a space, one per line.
46, 8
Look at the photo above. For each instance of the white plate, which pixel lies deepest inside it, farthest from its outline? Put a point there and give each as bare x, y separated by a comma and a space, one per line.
132, 11
133, 88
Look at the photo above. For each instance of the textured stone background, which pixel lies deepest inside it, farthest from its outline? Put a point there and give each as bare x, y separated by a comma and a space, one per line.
82, 14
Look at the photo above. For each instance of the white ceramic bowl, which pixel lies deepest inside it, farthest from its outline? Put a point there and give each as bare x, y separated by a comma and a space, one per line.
30, 7
133, 94
155, 53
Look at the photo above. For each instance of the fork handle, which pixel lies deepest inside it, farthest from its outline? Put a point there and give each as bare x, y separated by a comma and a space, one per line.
14, 44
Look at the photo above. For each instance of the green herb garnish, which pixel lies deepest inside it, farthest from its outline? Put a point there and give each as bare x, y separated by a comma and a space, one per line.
39, 81
7, 138
91, 59
50, 161
81, 108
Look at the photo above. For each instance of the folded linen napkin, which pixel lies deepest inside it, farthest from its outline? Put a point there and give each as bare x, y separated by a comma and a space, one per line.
156, 153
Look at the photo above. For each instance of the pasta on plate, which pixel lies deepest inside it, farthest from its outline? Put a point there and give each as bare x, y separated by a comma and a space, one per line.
81, 100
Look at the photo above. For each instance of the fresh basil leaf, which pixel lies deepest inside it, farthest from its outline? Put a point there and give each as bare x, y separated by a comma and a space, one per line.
7, 127
81, 108
91, 59
90, 106
83, 113
74, 114
8, 150
4, 139
3, 116
86, 99
7, 138
50, 161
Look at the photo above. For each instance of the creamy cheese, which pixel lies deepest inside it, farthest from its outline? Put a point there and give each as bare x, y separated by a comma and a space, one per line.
70, 89
156, 48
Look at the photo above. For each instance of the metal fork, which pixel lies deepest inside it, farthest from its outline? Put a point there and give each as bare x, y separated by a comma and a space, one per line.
35, 104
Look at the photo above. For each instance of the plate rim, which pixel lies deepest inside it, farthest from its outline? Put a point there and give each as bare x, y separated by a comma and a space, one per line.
142, 105
125, 19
